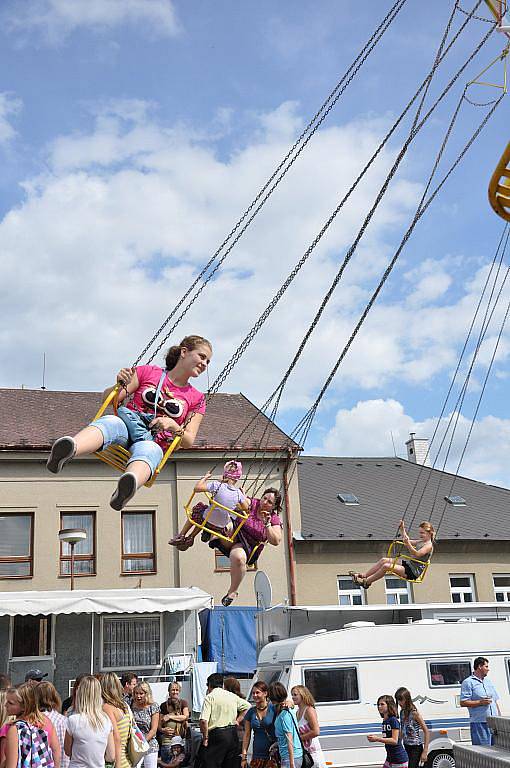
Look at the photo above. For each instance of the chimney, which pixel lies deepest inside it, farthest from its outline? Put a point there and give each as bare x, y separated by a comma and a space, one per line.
418, 450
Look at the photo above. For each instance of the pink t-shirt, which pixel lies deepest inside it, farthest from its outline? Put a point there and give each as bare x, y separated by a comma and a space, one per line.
254, 528
176, 402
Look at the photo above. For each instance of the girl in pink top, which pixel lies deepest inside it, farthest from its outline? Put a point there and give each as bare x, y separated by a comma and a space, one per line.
158, 405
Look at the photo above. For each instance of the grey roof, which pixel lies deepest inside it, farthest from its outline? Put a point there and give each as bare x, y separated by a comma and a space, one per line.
384, 487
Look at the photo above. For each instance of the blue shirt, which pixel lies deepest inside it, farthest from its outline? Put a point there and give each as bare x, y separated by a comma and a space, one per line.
473, 689
395, 752
261, 729
286, 723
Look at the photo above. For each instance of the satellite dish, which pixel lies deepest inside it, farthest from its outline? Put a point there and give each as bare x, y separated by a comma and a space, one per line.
263, 590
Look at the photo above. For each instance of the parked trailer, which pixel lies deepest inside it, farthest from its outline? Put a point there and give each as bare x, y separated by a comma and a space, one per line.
347, 669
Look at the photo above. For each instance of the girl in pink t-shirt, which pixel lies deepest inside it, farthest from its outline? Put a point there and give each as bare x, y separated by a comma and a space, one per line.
158, 404
30, 726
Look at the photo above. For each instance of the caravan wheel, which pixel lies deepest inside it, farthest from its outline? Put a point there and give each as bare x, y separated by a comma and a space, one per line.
441, 759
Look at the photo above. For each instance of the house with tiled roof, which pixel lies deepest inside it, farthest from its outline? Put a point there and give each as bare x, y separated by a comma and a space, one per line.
350, 510
124, 553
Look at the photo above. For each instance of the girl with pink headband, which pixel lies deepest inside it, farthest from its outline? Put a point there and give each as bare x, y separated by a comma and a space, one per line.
224, 492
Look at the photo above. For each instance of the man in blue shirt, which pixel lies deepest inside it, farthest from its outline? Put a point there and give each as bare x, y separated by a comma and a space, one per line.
481, 698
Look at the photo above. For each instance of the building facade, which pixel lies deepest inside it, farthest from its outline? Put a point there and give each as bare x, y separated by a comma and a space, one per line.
350, 510
123, 551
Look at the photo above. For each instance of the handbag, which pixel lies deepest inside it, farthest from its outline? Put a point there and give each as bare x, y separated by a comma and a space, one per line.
137, 745
307, 756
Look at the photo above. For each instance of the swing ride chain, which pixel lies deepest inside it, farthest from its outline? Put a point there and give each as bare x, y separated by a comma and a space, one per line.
471, 427
300, 433
310, 129
454, 419
254, 330
431, 468
473, 16
256, 327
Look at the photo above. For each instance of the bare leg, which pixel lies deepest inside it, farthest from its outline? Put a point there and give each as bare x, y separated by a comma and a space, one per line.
383, 570
88, 440
377, 567
141, 471
237, 568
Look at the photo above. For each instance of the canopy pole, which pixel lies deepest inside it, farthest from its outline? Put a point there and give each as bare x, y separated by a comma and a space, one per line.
92, 643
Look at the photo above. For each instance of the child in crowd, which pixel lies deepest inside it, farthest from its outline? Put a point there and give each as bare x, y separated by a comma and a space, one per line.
226, 494
31, 737
415, 734
178, 754
159, 404
419, 549
396, 756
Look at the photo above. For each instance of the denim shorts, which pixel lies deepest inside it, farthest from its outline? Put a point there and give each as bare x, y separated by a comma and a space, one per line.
129, 431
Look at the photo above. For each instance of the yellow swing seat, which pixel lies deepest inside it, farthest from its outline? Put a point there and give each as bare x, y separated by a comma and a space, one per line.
213, 504
394, 556
117, 456
499, 186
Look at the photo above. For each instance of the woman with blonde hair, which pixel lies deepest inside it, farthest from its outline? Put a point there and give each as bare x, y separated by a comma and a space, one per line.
146, 715
308, 723
50, 703
173, 719
118, 712
420, 550
4, 726
89, 737
31, 733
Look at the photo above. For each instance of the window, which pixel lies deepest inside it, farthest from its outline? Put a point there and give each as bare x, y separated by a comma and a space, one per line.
349, 499
222, 562
131, 642
501, 587
462, 587
448, 672
455, 501
138, 546
333, 684
398, 592
31, 636
349, 593
16, 545
84, 551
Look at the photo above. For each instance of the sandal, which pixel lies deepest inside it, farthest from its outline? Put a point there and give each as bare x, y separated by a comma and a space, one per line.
363, 583
185, 544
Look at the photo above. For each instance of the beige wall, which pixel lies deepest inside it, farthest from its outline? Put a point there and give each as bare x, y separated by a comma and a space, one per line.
26, 486
319, 564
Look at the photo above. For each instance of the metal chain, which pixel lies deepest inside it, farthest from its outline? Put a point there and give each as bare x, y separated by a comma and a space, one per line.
295, 150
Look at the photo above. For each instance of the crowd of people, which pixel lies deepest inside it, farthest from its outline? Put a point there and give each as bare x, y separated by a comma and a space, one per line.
93, 727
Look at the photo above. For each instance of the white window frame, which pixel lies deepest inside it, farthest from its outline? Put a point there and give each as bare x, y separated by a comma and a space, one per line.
471, 590
32, 658
505, 591
127, 617
355, 591
403, 589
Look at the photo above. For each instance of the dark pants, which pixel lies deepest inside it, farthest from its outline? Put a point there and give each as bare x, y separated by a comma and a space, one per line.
414, 753
222, 750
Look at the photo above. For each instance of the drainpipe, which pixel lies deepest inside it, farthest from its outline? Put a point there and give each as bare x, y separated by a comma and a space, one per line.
288, 526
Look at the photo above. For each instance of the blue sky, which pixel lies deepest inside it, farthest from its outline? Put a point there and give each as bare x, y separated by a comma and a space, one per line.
134, 132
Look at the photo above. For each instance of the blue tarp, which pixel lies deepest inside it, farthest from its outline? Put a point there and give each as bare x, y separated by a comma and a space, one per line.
229, 637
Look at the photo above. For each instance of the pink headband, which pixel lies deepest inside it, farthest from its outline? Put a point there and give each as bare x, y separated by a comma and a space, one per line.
233, 470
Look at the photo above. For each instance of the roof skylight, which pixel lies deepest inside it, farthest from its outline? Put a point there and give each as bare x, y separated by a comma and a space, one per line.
456, 501
348, 498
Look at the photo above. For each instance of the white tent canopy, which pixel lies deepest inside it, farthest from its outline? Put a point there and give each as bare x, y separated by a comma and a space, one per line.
103, 601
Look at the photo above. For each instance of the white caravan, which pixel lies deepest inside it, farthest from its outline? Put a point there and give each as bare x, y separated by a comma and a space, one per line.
348, 669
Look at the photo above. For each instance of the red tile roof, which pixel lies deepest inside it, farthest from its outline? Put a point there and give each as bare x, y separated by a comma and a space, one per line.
31, 419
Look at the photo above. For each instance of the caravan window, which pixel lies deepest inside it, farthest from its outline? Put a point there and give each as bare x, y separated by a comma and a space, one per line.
448, 672
332, 685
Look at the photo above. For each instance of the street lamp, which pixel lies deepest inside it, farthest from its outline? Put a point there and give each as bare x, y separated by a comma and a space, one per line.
72, 536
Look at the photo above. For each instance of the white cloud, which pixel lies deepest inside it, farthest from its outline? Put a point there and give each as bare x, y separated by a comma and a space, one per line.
56, 19
367, 429
104, 243
10, 106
